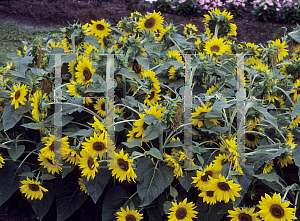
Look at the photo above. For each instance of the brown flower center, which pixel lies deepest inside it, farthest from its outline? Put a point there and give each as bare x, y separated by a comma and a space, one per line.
150, 23
123, 164
119, 46
34, 187
87, 74
223, 186
55, 145
130, 217
50, 161
210, 193
298, 91
244, 217
215, 48
145, 126
137, 68
91, 163
205, 177
224, 161
99, 146
134, 135
181, 213
100, 27
277, 211
17, 94
151, 95
250, 137
103, 106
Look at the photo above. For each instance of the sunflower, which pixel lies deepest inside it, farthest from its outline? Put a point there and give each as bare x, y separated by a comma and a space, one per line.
70, 155
129, 215
172, 73
32, 189
84, 71
152, 98
88, 164
281, 47
151, 80
82, 186
53, 145
173, 161
132, 135
122, 167
99, 28
268, 167
215, 46
223, 190
199, 111
251, 139
75, 89
203, 177
272, 209
53, 166
243, 214
296, 90
96, 145
174, 54
183, 211
98, 126
221, 160
285, 159
38, 113
137, 68
18, 95
141, 126
1, 161
157, 112
151, 22
208, 196
190, 30
100, 107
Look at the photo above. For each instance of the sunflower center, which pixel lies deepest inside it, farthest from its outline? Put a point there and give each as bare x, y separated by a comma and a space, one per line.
100, 27
277, 211
250, 137
152, 95
210, 193
223, 186
224, 161
298, 91
98, 146
54, 146
244, 217
136, 67
205, 177
150, 23
103, 106
215, 48
34, 187
50, 161
181, 213
123, 164
17, 94
134, 135
91, 163
119, 46
145, 126
87, 74
130, 217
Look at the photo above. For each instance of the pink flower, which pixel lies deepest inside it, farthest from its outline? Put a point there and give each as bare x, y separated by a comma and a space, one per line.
265, 7
277, 9
237, 4
201, 2
173, 7
243, 4
219, 4
206, 7
181, 1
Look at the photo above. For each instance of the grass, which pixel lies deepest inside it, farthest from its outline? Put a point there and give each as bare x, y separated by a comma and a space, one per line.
12, 31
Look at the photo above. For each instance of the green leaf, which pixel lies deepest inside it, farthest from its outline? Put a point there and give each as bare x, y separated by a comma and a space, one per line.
173, 192
156, 153
10, 116
66, 169
270, 177
225, 168
167, 206
195, 167
144, 62
27, 174
175, 143
217, 106
267, 115
66, 119
47, 176
197, 149
90, 39
15, 151
153, 131
96, 186
132, 144
69, 58
150, 119
73, 106
130, 101
295, 35
24, 64
4, 146
41, 207
10, 180
186, 180
115, 198
83, 133
69, 197
207, 212
96, 88
244, 181
152, 181
296, 110
130, 75
34, 126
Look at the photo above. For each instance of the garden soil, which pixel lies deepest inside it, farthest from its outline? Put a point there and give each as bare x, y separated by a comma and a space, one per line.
58, 13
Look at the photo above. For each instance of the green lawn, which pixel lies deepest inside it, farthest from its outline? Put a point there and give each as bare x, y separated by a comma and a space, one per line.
13, 31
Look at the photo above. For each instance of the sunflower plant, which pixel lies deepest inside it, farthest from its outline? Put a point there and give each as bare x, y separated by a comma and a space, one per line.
134, 146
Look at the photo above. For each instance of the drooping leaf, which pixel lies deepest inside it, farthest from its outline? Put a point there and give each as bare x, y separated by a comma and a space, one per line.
72, 106
156, 153
69, 58
132, 144
144, 62
10, 116
83, 133
15, 151
175, 143
267, 115
296, 110
270, 177
34, 126
153, 131
186, 180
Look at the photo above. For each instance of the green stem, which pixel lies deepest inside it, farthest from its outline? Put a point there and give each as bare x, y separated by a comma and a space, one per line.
216, 30
296, 201
161, 149
25, 159
286, 95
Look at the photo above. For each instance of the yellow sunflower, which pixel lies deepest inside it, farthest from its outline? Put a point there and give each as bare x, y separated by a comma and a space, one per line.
296, 90
52, 145
99, 28
132, 135
203, 177
268, 167
199, 111
38, 113
208, 196
84, 71
251, 139
82, 186
129, 215
151, 80
137, 68
88, 164
282, 48
285, 159
243, 214
223, 190
18, 95
96, 145
174, 54
70, 155
172, 73
190, 30
173, 161
221, 160
32, 189
152, 98
151, 22
1, 161
216, 46
52, 166
183, 211
157, 112
100, 107
272, 209
141, 126
98, 126
121, 167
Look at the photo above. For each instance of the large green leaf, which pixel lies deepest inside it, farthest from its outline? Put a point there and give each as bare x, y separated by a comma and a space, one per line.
15, 151
186, 180
10, 180
156, 153
152, 181
10, 116
296, 110
96, 186
114, 199
267, 115
207, 212
34, 126
144, 62
69, 197
244, 181
153, 131
72, 106
69, 58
